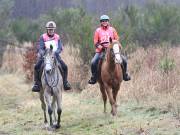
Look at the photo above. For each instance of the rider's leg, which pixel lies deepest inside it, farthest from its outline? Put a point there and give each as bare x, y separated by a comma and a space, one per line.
64, 67
94, 68
126, 76
36, 87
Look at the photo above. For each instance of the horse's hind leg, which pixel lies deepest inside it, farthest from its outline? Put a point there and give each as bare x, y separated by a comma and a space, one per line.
43, 106
104, 96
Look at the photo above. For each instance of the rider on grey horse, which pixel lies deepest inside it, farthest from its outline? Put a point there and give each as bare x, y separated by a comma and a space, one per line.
47, 39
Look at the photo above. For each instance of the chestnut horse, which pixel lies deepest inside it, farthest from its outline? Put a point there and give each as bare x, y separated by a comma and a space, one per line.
110, 75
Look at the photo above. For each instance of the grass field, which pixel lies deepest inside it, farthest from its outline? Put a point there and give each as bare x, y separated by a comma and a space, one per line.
149, 104
20, 113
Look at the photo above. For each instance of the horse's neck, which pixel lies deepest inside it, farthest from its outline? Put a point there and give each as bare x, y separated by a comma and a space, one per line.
53, 72
110, 61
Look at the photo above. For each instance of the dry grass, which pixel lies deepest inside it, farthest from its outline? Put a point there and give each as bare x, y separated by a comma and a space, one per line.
149, 85
13, 58
78, 73
148, 82
149, 103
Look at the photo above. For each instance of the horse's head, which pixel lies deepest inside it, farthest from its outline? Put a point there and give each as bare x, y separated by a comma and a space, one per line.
49, 60
115, 51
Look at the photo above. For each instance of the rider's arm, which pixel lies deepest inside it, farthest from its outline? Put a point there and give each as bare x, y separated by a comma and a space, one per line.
59, 49
41, 46
41, 43
96, 39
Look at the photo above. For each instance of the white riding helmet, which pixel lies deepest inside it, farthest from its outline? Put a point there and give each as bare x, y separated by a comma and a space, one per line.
104, 17
51, 25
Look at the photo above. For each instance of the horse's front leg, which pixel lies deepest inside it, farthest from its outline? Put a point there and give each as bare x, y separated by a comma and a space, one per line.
53, 108
43, 106
50, 111
115, 92
104, 96
59, 108
111, 100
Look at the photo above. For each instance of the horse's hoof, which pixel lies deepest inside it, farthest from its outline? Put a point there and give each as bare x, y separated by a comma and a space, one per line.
46, 125
56, 126
50, 128
113, 113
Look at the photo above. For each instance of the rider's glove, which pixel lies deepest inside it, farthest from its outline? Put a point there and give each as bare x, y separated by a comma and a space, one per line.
99, 46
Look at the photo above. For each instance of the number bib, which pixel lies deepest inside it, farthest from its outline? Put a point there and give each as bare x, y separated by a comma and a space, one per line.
51, 42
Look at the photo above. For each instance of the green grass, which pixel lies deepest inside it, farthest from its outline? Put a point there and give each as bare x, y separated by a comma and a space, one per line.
21, 114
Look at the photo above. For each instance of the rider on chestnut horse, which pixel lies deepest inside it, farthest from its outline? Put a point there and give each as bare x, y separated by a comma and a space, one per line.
101, 38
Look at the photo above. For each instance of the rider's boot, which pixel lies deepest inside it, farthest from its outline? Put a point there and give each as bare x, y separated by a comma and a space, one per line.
126, 76
93, 78
36, 87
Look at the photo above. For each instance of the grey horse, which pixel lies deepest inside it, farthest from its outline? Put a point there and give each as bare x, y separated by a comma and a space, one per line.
51, 90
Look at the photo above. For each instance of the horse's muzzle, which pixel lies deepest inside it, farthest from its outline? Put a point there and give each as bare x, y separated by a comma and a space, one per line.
48, 71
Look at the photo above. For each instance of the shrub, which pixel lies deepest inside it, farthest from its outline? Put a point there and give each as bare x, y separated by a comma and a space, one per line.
29, 61
25, 30
166, 64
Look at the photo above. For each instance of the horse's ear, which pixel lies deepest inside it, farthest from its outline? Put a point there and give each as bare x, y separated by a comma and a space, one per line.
51, 47
110, 40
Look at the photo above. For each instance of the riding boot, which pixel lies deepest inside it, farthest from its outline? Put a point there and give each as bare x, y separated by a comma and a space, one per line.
66, 84
64, 71
126, 76
93, 79
36, 87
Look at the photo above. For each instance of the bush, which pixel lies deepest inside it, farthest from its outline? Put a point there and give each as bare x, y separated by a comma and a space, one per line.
29, 61
166, 65
152, 24
25, 30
